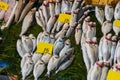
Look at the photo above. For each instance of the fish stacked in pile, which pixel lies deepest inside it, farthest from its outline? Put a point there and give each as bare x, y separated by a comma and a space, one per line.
100, 58
7, 15
62, 57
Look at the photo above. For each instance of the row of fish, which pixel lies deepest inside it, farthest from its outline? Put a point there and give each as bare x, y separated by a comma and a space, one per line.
109, 12
62, 57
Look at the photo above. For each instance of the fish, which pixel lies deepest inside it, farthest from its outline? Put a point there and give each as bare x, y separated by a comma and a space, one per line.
27, 21
78, 34
116, 29
45, 37
27, 44
99, 13
53, 62
117, 11
26, 9
36, 56
65, 6
38, 69
65, 65
106, 27
51, 8
104, 73
59, 25
51, 23
58, 7
39, 37
117, 53
28, 66
53, 31
65, 48
58, 45
52, 38
46, 57
75, 5
20, 48
8, 17
33, 38
109, 12
19, 8
83, 39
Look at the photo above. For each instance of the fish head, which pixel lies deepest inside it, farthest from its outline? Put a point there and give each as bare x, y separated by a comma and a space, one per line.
69, 51
114, 38
67, 42
87, 19
66, 26
108, 37
33, 10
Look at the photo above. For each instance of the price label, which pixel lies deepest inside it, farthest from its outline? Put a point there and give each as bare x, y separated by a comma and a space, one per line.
65, 18
45, 48
113, 75
116, 23
3, 6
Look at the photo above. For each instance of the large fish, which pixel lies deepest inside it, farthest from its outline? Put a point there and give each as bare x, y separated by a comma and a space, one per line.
27, 8
27, 21
99, 13
109, 12
117, 11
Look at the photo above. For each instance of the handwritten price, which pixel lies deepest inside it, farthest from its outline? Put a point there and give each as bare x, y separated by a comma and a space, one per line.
65, 18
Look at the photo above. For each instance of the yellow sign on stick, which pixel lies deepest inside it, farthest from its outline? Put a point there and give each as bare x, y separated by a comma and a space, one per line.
65, 18
3, 6
45, 48
113, 75
116, 23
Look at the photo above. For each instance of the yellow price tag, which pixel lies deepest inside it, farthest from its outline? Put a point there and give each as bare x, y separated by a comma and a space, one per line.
65, 18
116, 23
45, 48
3, 6
113, 75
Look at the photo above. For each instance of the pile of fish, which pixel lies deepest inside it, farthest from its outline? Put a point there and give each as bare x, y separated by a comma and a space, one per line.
59, 60
8, 15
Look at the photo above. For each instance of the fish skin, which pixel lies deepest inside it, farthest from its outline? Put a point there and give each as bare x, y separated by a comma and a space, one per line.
78, 34
109, 12
99, 13
45, 37
33, 38
52, 38
26, 9
58, 45
117, 11
65, 48
65, 6
117, 53
19, 8
36, 56
106, 27
53, 62
57, 8
27, 44
52, 8
53, 31
39, 37
27, 21
38, 69
75, 5
59, 25
65, 65
104, 73
20, 48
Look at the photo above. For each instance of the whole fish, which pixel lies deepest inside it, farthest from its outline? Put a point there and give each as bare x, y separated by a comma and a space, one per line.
52, 64
20, 48
99, 13
78, 34
58, 45
38, 69
117, 11
27, 8
32, 37
27, 44
65, 65
109, 12
51, 23
116, 29
27, 21
46, 57
51, 8
65, 48
36, 56
106, 27
27, 68
19, 8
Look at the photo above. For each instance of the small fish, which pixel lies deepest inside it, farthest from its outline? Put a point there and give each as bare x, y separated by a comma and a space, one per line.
36, 56
27, 21
20, 48
25, 11
46, 57
65, 48
78, 34
58, 45
99, 13
27, 44
52, 64
38, 69
117, 11
106, 27
109, 12
32, 37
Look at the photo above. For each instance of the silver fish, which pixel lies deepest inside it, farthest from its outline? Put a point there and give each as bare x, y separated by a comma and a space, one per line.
51, 8
104, 73
52, 38
75, 5
27, 21
45, 37
46, 57
59, 25
117, 11
57, 7
39, 37
36, 56
65, 6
